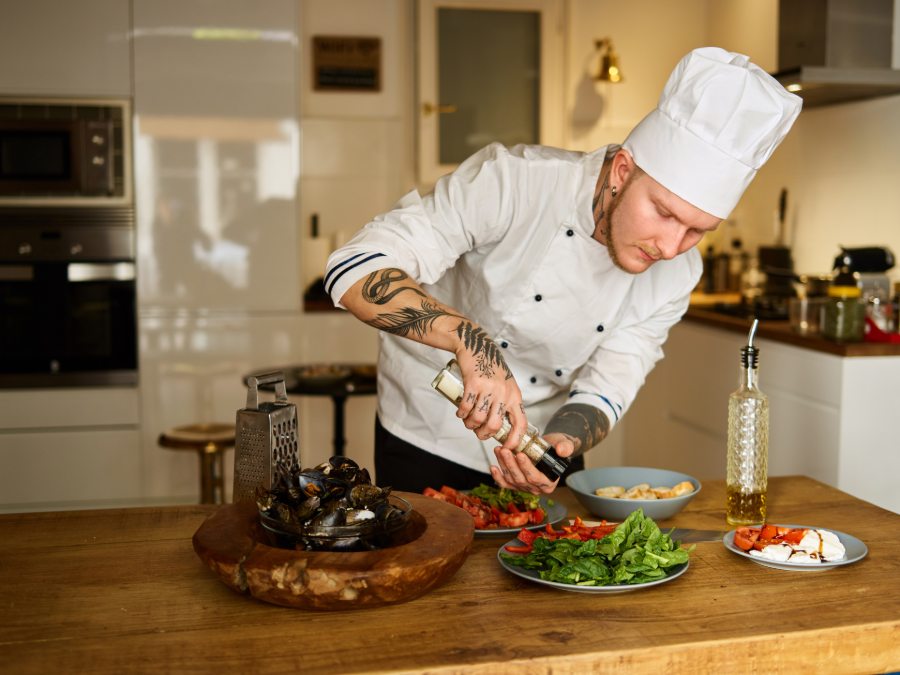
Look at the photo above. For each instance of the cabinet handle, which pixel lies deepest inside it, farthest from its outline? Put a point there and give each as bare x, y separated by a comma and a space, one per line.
431, 108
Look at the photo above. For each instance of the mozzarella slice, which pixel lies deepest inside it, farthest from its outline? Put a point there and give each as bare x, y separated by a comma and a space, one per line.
774, 552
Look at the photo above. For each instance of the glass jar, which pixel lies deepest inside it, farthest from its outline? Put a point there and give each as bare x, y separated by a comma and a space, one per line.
844, 318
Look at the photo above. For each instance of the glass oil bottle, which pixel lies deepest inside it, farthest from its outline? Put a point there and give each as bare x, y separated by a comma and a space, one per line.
543, 455
746, 479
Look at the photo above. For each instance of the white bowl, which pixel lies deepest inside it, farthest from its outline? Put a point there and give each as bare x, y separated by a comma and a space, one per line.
583, 484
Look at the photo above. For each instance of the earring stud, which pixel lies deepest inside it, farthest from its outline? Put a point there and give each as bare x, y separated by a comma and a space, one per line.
614, 191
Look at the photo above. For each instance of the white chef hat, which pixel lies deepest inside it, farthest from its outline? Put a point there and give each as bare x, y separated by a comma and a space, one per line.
718, 120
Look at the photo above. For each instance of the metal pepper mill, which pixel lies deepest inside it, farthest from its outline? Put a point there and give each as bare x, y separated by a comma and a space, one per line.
266, 439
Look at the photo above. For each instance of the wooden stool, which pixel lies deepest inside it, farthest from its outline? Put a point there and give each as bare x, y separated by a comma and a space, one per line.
209, 441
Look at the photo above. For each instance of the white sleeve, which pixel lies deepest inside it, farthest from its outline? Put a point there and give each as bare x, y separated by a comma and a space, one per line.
424, 236
617, 369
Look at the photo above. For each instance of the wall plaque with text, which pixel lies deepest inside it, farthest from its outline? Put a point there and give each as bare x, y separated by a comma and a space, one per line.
346, 63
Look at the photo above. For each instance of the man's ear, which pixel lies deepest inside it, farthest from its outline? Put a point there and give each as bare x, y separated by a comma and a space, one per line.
623, 167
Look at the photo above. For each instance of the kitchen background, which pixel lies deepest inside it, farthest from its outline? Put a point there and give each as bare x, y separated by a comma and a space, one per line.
234, 151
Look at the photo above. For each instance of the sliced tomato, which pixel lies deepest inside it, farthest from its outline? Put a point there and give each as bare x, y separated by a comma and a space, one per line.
793, 535
527, 536
745, 537
537, 516
768, 532
761, 543
514, 519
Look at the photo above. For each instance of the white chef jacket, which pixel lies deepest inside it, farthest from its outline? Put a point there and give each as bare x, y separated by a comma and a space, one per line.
506, 239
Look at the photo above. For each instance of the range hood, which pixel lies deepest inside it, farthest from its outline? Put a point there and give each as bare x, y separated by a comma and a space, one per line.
837, 51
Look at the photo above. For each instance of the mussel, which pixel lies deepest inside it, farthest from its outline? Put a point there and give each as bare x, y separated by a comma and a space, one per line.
332, 506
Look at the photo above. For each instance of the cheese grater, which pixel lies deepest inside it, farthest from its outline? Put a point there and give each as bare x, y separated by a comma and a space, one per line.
265, 444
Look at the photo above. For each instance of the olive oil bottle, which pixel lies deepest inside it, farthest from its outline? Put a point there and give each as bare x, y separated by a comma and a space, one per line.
746, 478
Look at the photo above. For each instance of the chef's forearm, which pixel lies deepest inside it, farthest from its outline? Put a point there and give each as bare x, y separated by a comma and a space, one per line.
390, 300
582, 424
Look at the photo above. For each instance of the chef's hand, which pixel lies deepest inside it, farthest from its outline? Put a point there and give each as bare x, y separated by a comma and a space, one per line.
490, 395
515, 470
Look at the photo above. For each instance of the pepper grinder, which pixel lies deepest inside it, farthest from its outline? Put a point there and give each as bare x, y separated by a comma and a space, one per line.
449, 382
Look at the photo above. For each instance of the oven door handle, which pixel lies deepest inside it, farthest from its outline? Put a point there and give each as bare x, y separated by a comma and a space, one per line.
16, 272
121, 271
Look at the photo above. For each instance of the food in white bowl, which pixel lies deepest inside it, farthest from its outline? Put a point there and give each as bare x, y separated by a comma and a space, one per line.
583, 485
644, 491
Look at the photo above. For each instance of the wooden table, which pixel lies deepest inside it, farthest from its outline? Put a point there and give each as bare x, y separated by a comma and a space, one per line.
120, 591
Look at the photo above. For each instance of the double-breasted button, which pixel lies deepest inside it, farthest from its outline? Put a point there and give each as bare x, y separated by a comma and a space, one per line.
504, 344
570, 233
538, 297
532, 379
559, 373
600, 328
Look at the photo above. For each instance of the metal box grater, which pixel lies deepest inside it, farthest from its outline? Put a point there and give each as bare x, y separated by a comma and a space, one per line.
266, 438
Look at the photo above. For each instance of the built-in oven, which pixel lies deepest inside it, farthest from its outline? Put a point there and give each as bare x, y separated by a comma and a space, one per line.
67, 297
64, 152
67, 324
67, 244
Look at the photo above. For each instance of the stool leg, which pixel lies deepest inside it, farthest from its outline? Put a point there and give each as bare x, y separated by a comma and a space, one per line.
219, 481
339, 441
207, 476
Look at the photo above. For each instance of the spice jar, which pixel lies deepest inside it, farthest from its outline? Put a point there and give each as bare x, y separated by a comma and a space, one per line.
844, 319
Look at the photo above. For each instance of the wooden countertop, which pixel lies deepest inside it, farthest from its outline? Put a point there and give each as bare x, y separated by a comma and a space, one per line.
119, 591
781, 331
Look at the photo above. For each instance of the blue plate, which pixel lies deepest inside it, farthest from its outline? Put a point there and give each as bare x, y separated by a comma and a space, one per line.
855, 550
534, 575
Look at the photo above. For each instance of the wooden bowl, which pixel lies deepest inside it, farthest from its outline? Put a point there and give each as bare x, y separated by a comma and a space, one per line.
435, 543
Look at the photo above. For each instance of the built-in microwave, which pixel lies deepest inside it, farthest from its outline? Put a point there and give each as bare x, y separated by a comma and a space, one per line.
64, 152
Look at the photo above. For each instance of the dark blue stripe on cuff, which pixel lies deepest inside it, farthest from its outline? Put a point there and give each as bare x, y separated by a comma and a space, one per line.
347, 269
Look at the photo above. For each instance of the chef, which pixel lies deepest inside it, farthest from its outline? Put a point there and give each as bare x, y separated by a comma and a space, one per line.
552, 278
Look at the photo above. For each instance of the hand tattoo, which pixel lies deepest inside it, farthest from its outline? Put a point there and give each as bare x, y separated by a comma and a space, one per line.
486, 352
584, 424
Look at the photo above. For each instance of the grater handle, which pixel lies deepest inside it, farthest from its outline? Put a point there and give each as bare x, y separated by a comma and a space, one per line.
253, 383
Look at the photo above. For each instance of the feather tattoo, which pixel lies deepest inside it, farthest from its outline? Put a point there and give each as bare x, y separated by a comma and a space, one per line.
410, 320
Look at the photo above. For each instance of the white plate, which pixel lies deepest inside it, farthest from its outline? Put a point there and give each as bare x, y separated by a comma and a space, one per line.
553, 515
533, 575
855, 551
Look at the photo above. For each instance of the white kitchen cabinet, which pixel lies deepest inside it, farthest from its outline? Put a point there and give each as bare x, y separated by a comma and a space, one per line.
69, 448
829, 416
217, 148
73, 49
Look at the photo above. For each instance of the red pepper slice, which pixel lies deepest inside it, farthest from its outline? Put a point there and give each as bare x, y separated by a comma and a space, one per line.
518, 549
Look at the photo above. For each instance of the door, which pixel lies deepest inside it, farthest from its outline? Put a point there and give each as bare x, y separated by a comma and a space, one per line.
488, 71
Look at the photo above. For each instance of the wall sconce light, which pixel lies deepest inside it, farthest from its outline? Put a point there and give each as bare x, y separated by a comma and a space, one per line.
609, 62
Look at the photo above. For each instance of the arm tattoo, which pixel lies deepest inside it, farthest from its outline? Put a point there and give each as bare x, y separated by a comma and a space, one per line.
378, 290
487, 354
584, 424
410, 320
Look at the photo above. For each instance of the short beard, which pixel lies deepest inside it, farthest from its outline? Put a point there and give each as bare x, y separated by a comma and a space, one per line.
610, 233
610, 215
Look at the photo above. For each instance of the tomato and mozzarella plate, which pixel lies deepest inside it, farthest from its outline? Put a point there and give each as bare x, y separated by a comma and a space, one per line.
789, 544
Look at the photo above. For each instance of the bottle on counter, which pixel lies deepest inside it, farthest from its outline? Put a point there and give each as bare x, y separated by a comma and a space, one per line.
844, 317
449, 382
746, 479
